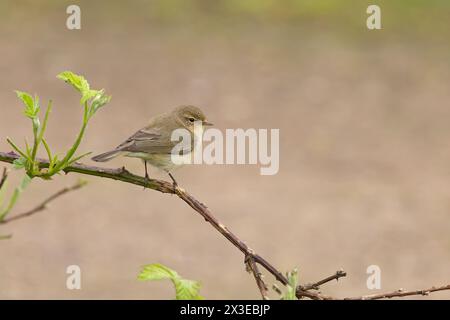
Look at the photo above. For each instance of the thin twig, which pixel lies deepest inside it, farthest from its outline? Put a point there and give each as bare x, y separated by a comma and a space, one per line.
4, 177
246, 250
400, 293
303, 291
316, 285
43, 205
311, 295
253, 268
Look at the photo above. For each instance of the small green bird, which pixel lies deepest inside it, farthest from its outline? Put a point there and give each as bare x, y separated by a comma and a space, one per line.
153, 143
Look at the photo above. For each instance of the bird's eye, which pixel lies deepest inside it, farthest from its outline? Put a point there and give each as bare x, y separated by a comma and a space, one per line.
191, 119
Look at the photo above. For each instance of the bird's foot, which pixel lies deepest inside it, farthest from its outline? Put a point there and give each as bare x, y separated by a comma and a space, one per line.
146, 180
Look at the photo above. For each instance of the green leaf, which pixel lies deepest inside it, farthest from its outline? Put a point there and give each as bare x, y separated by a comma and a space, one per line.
26, 99
292, 286
77, 81
88, 95
20, 163
99, 101
157, 271
31, 105
24, 183
80, 84
185, 289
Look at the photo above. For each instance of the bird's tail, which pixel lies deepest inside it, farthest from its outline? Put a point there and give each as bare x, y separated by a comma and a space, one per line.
107, 156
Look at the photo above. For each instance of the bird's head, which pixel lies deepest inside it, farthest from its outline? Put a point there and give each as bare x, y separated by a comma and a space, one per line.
189, 115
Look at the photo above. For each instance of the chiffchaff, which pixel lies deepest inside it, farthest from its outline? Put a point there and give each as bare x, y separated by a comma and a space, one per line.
153, 143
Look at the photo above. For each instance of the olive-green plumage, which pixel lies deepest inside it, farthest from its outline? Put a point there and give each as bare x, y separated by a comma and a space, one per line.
153, 143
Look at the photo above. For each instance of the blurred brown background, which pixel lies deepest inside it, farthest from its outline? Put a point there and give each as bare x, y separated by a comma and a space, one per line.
364, 127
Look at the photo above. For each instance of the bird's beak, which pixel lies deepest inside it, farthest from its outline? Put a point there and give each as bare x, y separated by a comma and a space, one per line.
206, 123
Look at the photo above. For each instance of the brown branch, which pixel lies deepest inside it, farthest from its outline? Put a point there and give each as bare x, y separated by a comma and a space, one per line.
247, 251
251, 258
316, 285
303, 291
42, 206
165, 187
400, 293
253, 268
311, 295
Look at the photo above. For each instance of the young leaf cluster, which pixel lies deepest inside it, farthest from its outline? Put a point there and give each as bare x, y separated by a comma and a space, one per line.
184, 289
91, 100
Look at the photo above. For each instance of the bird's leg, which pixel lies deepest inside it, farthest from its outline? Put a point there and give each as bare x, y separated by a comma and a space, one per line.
146, 171
175, 183
147, 178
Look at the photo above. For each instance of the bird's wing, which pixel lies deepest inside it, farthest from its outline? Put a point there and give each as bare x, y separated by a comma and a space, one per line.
148, 140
